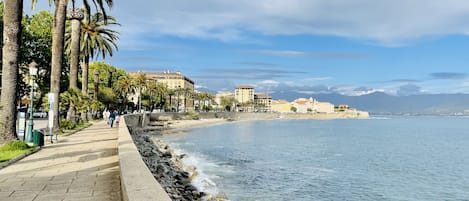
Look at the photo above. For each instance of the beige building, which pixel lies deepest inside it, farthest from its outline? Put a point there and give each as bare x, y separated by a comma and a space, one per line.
173, 80
220, 96
324, 107
244, 94
263, 103
281, 106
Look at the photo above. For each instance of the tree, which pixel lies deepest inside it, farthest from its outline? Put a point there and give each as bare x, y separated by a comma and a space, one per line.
13, 11
186, 92
102, 72
36, 43
58, 33
96, 39
75, 15
124, 86
227, 103
293, 109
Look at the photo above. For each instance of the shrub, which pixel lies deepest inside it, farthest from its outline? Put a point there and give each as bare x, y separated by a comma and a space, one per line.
68, 125
193, 115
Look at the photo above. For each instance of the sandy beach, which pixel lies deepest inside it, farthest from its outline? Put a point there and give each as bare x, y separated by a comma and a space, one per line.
176, 124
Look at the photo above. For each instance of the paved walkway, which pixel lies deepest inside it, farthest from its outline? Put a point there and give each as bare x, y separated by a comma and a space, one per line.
83, 166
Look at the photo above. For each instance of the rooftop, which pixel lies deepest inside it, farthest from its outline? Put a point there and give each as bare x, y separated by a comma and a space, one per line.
263, 96
244, 87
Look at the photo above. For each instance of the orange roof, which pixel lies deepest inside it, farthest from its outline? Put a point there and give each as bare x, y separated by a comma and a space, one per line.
262, 96
279, 102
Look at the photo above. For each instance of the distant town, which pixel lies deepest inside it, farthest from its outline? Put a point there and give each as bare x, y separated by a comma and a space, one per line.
242, 99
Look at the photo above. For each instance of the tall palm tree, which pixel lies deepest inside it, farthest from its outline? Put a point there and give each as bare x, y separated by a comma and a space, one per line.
186, 92
58, 35
75, 15
162, 91
12, 14
96, 39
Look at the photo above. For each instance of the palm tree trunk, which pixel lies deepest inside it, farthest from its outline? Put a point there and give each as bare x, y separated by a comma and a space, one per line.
75, 15
75, 46
58, 31
84, 69
84, 83
12, 14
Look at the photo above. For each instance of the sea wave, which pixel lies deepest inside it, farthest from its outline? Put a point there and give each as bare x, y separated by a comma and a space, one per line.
195, 165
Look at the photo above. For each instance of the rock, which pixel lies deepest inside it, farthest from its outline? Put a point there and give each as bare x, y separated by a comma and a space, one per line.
166, 167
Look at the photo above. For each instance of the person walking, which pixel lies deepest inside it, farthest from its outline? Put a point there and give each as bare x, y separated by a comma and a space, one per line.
112, 117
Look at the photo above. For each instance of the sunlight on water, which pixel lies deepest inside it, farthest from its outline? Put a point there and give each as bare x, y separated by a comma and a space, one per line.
397, 158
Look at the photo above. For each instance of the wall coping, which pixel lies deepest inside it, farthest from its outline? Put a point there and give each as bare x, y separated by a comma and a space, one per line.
137, 182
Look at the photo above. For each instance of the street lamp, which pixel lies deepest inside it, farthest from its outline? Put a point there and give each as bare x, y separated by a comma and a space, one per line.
32, 74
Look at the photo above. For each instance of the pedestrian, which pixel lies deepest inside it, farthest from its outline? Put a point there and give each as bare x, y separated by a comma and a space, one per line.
112, 117
104, 115
117, 117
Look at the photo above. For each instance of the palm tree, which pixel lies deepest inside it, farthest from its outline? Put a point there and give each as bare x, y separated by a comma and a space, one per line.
186, 93
124, 87
58, 36
75, 15
13, 11
96, 39
162, 91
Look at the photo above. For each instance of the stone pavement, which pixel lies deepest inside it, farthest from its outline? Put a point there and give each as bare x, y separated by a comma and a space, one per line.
82, 166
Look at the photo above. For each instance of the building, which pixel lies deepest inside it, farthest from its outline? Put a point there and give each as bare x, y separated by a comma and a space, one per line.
174, 81
263, 103
303, 105
228, 104
244, 94
281, 106
324, 107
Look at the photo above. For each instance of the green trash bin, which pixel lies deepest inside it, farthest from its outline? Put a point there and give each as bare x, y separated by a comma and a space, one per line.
38, 138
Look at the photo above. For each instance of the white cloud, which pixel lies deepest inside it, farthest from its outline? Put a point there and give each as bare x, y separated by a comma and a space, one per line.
387, 22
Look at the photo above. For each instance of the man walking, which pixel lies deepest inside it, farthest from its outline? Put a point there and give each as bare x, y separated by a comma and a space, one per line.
112, 117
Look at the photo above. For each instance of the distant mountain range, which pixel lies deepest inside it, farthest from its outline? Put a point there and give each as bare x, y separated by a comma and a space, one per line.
382, 103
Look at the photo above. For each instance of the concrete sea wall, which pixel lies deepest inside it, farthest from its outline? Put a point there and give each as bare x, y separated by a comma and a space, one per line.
137, 182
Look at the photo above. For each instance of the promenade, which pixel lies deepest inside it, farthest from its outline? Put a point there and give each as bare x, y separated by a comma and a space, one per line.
82, 166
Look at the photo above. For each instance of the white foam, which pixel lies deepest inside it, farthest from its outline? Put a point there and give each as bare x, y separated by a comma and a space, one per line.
196, 164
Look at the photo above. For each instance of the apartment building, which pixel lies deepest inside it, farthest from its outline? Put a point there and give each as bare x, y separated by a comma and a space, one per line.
174, 81
263, 102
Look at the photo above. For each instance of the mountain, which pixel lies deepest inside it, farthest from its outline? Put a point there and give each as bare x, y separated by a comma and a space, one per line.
382, 103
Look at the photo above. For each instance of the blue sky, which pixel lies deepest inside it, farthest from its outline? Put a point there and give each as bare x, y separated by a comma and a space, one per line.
311, 46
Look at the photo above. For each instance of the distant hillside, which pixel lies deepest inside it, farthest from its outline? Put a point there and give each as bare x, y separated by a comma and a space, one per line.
380, 103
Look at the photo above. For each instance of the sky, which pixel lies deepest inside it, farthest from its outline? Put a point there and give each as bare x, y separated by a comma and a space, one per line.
308, 46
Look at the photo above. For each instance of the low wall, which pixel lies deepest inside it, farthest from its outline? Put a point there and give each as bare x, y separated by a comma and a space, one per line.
137, 182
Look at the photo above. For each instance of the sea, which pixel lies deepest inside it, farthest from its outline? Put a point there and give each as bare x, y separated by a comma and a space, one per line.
382, 158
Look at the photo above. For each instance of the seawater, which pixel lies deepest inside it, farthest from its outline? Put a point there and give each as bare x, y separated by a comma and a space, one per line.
395, 158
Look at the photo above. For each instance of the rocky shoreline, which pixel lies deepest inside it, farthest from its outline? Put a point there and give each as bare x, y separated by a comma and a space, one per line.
167, 168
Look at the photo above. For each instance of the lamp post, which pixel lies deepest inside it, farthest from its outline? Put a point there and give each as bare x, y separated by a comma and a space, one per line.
32, 73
